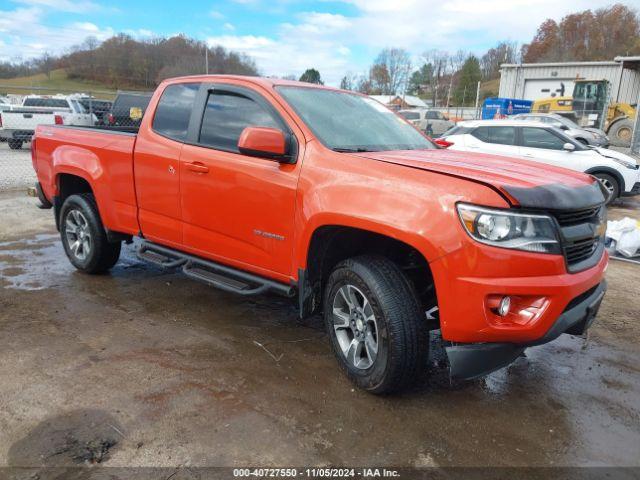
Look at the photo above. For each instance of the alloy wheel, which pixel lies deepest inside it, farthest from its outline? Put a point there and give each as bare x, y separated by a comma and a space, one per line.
355, 327
78, 234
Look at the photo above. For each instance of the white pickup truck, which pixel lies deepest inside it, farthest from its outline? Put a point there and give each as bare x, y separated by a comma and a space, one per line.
18, 124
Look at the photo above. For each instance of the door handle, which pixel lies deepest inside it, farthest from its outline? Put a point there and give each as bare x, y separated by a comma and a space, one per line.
198, 167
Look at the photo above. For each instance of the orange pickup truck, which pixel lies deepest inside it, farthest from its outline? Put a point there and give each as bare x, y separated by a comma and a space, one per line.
259, 185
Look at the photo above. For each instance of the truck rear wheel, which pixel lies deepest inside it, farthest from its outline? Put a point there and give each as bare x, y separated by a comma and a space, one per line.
375, 324
620, 133
83, 236
15, 144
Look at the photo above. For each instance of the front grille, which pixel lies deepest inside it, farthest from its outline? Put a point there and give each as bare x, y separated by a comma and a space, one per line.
580, 250
580, 236
577, 216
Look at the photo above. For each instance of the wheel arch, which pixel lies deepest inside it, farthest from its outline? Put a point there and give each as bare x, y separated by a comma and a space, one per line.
609, 171
330, 244
67, 184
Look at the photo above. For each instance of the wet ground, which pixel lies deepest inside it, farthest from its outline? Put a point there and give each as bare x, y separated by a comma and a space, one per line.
144, 368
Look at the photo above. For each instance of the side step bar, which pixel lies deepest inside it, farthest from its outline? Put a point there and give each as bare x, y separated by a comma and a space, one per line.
215, 274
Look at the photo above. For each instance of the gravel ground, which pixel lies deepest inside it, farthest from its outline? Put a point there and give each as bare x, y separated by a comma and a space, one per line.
143, 368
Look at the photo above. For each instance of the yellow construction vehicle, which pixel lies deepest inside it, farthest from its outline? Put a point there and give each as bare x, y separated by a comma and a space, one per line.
586, 106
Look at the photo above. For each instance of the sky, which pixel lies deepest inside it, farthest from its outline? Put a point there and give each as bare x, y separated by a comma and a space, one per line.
285, 37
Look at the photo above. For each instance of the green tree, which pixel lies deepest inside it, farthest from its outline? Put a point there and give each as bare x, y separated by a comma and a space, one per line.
468, 78
420, 80
311, 75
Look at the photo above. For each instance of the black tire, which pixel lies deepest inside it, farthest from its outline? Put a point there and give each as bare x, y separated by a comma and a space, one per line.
611, 184
401, 331
101, 254
15, 144
620, 133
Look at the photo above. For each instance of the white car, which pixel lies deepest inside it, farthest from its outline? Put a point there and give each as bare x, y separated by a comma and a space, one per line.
432, 122
539, 142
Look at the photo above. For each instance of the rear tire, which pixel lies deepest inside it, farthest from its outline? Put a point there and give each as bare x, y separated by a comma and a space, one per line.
620, 133
15, 144
83, 235
374, 320
611, 184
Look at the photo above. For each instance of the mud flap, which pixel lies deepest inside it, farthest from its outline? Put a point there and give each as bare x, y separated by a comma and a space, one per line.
476, 360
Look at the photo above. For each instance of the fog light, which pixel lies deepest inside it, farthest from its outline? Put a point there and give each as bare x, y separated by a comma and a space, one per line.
505, 306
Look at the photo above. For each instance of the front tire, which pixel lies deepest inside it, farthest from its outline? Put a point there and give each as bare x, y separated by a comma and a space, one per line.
620, 133
377, 330
83, 236
15, 144
610, 184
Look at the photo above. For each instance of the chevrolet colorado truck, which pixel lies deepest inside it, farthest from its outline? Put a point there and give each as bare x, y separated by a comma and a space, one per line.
259, 185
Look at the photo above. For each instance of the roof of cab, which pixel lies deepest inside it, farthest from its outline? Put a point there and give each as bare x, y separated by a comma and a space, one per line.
502, 123
263, 81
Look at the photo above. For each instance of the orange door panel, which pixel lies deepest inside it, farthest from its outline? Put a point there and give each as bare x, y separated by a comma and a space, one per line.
237, 208
157, 180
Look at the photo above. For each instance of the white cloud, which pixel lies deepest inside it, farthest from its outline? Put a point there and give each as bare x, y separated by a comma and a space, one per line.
229, 26
216, 14
327, 41
297, 46
81, 6
25, 36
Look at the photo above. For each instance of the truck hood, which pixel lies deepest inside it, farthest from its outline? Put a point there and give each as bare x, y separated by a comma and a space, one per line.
523, 183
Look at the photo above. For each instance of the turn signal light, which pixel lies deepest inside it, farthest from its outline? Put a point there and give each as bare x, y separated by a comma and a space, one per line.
58, 120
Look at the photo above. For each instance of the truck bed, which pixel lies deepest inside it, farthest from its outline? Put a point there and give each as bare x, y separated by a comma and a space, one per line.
107, 164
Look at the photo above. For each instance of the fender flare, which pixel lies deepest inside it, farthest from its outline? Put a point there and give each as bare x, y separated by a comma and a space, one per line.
610, 171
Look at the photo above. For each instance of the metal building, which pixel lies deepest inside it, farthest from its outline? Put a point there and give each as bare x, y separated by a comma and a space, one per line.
532, 81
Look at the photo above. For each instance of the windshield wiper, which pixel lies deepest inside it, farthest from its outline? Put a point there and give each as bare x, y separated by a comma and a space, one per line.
350, 149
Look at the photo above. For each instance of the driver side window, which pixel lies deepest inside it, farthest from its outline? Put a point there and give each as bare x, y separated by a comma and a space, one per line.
226, 115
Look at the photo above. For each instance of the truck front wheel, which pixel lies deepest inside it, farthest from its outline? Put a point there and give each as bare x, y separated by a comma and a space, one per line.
83, 236
373, 319
15, 144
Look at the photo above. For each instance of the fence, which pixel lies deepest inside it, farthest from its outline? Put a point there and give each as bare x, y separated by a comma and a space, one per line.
23, 108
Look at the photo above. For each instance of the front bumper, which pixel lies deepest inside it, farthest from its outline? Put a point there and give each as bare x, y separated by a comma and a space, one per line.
479, 359
635, 190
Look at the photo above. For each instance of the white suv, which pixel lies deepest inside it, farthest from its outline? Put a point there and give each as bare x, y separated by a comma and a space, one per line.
542, 143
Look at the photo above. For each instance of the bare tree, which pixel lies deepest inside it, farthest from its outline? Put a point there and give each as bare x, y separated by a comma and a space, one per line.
391, 69
504, 52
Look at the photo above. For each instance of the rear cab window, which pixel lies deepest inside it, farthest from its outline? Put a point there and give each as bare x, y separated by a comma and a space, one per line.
174, 109
410, 115
46, 102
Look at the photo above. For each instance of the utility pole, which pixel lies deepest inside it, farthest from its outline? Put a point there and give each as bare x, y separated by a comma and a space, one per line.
206, 59
477, 99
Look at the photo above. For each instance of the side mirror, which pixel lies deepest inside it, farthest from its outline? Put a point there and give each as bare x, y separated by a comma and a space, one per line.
569, 147
562, 126
264, 142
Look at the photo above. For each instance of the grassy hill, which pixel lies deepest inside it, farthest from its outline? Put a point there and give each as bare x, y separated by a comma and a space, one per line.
58, 82
490, 88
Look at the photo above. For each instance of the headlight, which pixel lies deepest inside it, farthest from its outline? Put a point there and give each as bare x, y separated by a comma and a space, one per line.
506, 229
624, 163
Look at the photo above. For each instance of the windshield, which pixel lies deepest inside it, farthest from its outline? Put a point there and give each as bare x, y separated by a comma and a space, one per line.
409, 115
352, 123
567, 122
568, 139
